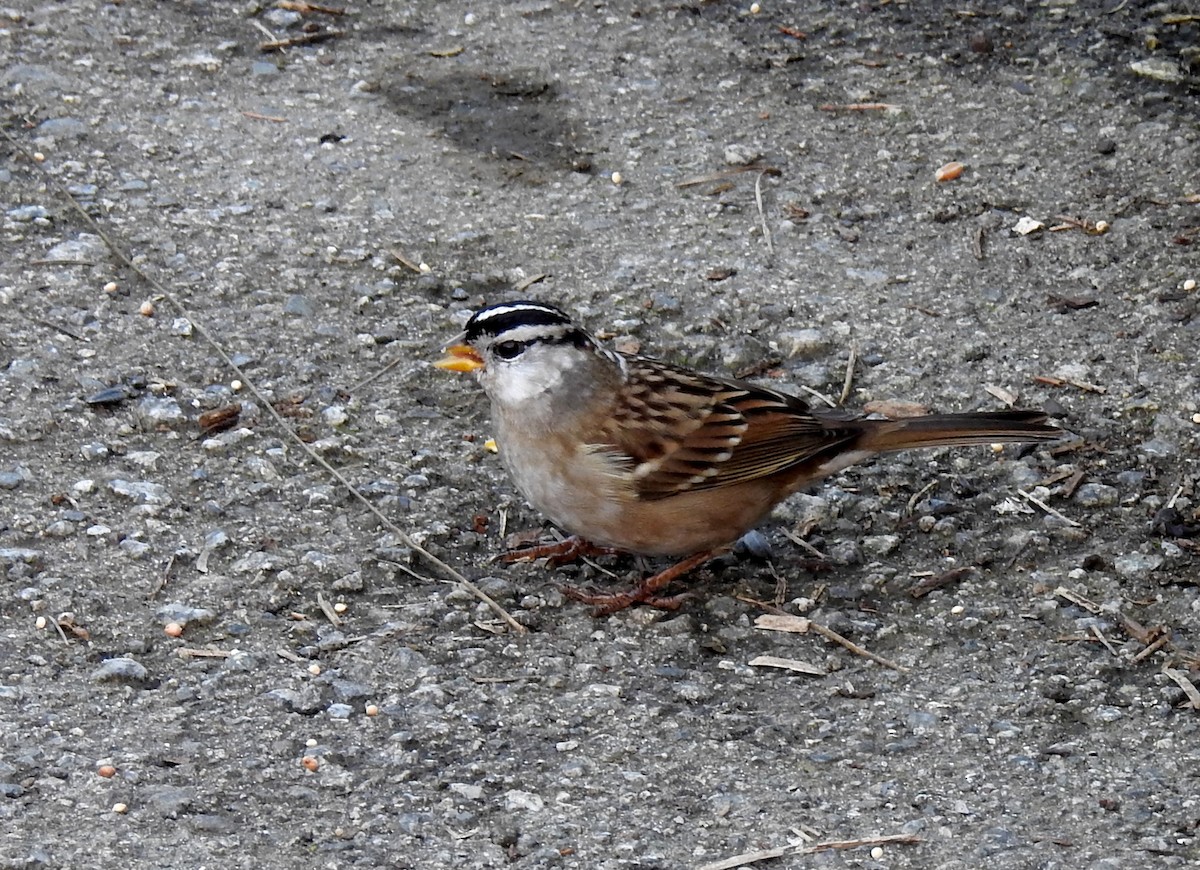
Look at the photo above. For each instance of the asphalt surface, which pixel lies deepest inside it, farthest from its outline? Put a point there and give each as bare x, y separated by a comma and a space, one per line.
747, 192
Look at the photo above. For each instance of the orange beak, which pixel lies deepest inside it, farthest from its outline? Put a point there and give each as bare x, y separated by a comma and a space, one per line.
460, 358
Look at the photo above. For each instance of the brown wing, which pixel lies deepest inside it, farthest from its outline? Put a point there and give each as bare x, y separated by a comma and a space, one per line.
680, 431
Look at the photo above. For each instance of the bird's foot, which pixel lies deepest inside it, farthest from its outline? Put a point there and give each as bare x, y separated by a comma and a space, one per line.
558, 553
646, 592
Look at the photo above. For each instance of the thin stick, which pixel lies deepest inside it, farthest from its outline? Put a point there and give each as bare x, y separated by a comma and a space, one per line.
824, 398
857, 107
728, 173
762, 215
912, 502
797, 849
370, 379
1037, 501
529, 282
830, 634
804, 545
1104, 640
263, 401
328, 610
848, 380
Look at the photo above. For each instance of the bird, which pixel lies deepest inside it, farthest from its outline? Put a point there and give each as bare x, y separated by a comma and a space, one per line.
635, 455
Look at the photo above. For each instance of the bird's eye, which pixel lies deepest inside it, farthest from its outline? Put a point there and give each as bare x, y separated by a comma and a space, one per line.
508, 349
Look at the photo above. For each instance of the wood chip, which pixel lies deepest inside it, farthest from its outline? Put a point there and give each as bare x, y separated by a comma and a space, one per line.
1076, 599
783, 622
896, 409
798, 667
1008, 397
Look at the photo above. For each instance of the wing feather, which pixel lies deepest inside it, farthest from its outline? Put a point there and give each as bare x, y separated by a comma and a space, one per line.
679, 431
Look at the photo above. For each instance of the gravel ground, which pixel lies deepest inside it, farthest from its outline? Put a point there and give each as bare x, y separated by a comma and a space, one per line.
745, 192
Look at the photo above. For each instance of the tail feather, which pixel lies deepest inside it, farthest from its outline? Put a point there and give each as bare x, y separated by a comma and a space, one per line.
946, 430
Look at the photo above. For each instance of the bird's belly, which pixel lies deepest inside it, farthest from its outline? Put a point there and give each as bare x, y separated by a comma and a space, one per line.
601, 508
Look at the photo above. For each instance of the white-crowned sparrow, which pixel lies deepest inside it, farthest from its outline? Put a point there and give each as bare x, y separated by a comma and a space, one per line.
641, 456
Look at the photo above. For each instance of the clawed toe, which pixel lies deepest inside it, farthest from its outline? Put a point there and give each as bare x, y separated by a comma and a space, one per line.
605, 603
558, 553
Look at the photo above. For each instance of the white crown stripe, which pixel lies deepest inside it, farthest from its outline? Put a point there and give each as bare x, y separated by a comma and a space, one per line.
505, 310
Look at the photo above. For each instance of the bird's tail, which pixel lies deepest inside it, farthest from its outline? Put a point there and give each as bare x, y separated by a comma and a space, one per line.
945, 430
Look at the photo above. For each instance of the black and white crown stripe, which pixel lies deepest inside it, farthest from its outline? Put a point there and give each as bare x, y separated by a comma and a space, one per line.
513, 326
505, 317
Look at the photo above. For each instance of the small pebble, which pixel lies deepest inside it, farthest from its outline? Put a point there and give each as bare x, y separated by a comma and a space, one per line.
1189, 285
310, 763
40, 622
140, 491
120, 669
878, 546
111, 287
177, 611
173, 629
107, 771
335, 415
1133, 565
120, 808
1096, 495
315, 670
371, 710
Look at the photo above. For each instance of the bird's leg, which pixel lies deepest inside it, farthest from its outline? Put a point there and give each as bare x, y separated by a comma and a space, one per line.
561, 552
645, 592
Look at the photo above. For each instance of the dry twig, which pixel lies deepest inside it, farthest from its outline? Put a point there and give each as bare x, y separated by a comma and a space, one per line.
1189, 688
1037, 501
804, 849
802, 625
